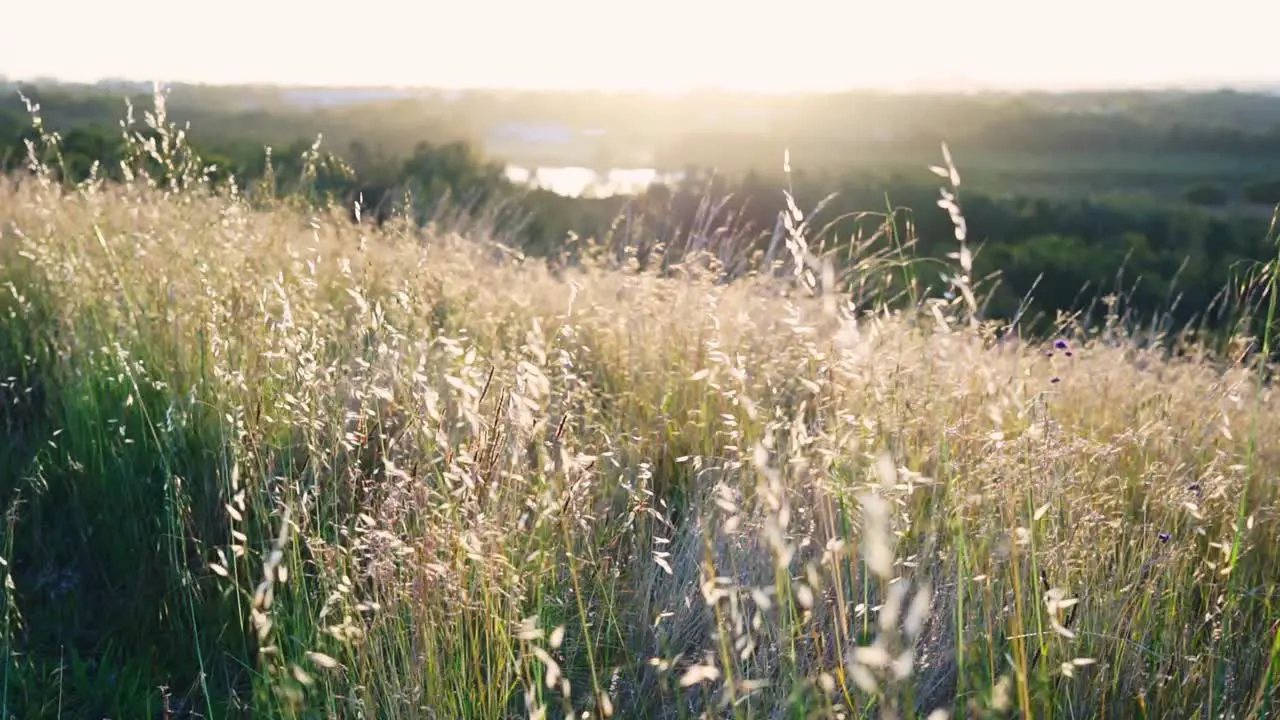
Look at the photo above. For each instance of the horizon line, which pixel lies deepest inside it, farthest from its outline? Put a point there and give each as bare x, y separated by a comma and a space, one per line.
940, 87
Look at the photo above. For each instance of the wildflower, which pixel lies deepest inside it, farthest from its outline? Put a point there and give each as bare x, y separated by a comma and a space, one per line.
1164, 537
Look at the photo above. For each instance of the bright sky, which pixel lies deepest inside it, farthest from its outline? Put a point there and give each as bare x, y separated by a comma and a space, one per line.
648, 44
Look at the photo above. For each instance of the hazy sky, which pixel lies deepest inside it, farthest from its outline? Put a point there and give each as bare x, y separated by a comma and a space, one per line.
650, 44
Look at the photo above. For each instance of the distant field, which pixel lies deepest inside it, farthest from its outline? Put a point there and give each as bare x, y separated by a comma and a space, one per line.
1149, 147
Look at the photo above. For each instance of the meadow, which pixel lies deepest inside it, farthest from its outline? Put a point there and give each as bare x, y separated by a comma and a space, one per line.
265, 462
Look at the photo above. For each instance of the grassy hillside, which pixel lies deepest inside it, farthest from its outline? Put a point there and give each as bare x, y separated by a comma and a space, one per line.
268, 464
1164, 214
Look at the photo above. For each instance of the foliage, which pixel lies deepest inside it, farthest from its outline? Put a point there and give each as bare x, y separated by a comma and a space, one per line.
1207, 195
1263, 193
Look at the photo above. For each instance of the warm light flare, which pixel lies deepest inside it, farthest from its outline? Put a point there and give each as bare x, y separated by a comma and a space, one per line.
662, 45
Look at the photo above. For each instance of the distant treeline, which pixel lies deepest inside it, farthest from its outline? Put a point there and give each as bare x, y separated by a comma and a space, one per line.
733, 132
1166, 258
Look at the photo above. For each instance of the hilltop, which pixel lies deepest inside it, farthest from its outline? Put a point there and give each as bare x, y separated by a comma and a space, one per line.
263, 461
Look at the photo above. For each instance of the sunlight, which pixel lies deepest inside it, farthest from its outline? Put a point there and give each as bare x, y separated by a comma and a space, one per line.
330, 398
664, 45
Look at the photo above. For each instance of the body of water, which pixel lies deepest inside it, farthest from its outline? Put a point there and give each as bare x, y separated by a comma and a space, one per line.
585, 182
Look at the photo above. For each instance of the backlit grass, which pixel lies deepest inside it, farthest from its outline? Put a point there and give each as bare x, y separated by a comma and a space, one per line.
266, 463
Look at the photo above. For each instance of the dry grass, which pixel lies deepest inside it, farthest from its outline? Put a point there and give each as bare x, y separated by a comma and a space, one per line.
286, 467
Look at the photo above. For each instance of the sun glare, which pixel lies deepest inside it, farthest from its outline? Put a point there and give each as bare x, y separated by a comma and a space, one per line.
662, 45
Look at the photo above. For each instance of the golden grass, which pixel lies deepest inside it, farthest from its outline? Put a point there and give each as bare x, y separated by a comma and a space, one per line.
372, 474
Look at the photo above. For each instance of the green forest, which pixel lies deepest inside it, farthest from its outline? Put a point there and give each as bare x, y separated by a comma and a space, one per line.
1162, 200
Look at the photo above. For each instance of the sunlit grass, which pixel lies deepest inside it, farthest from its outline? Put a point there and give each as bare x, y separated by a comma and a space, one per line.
270, 464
